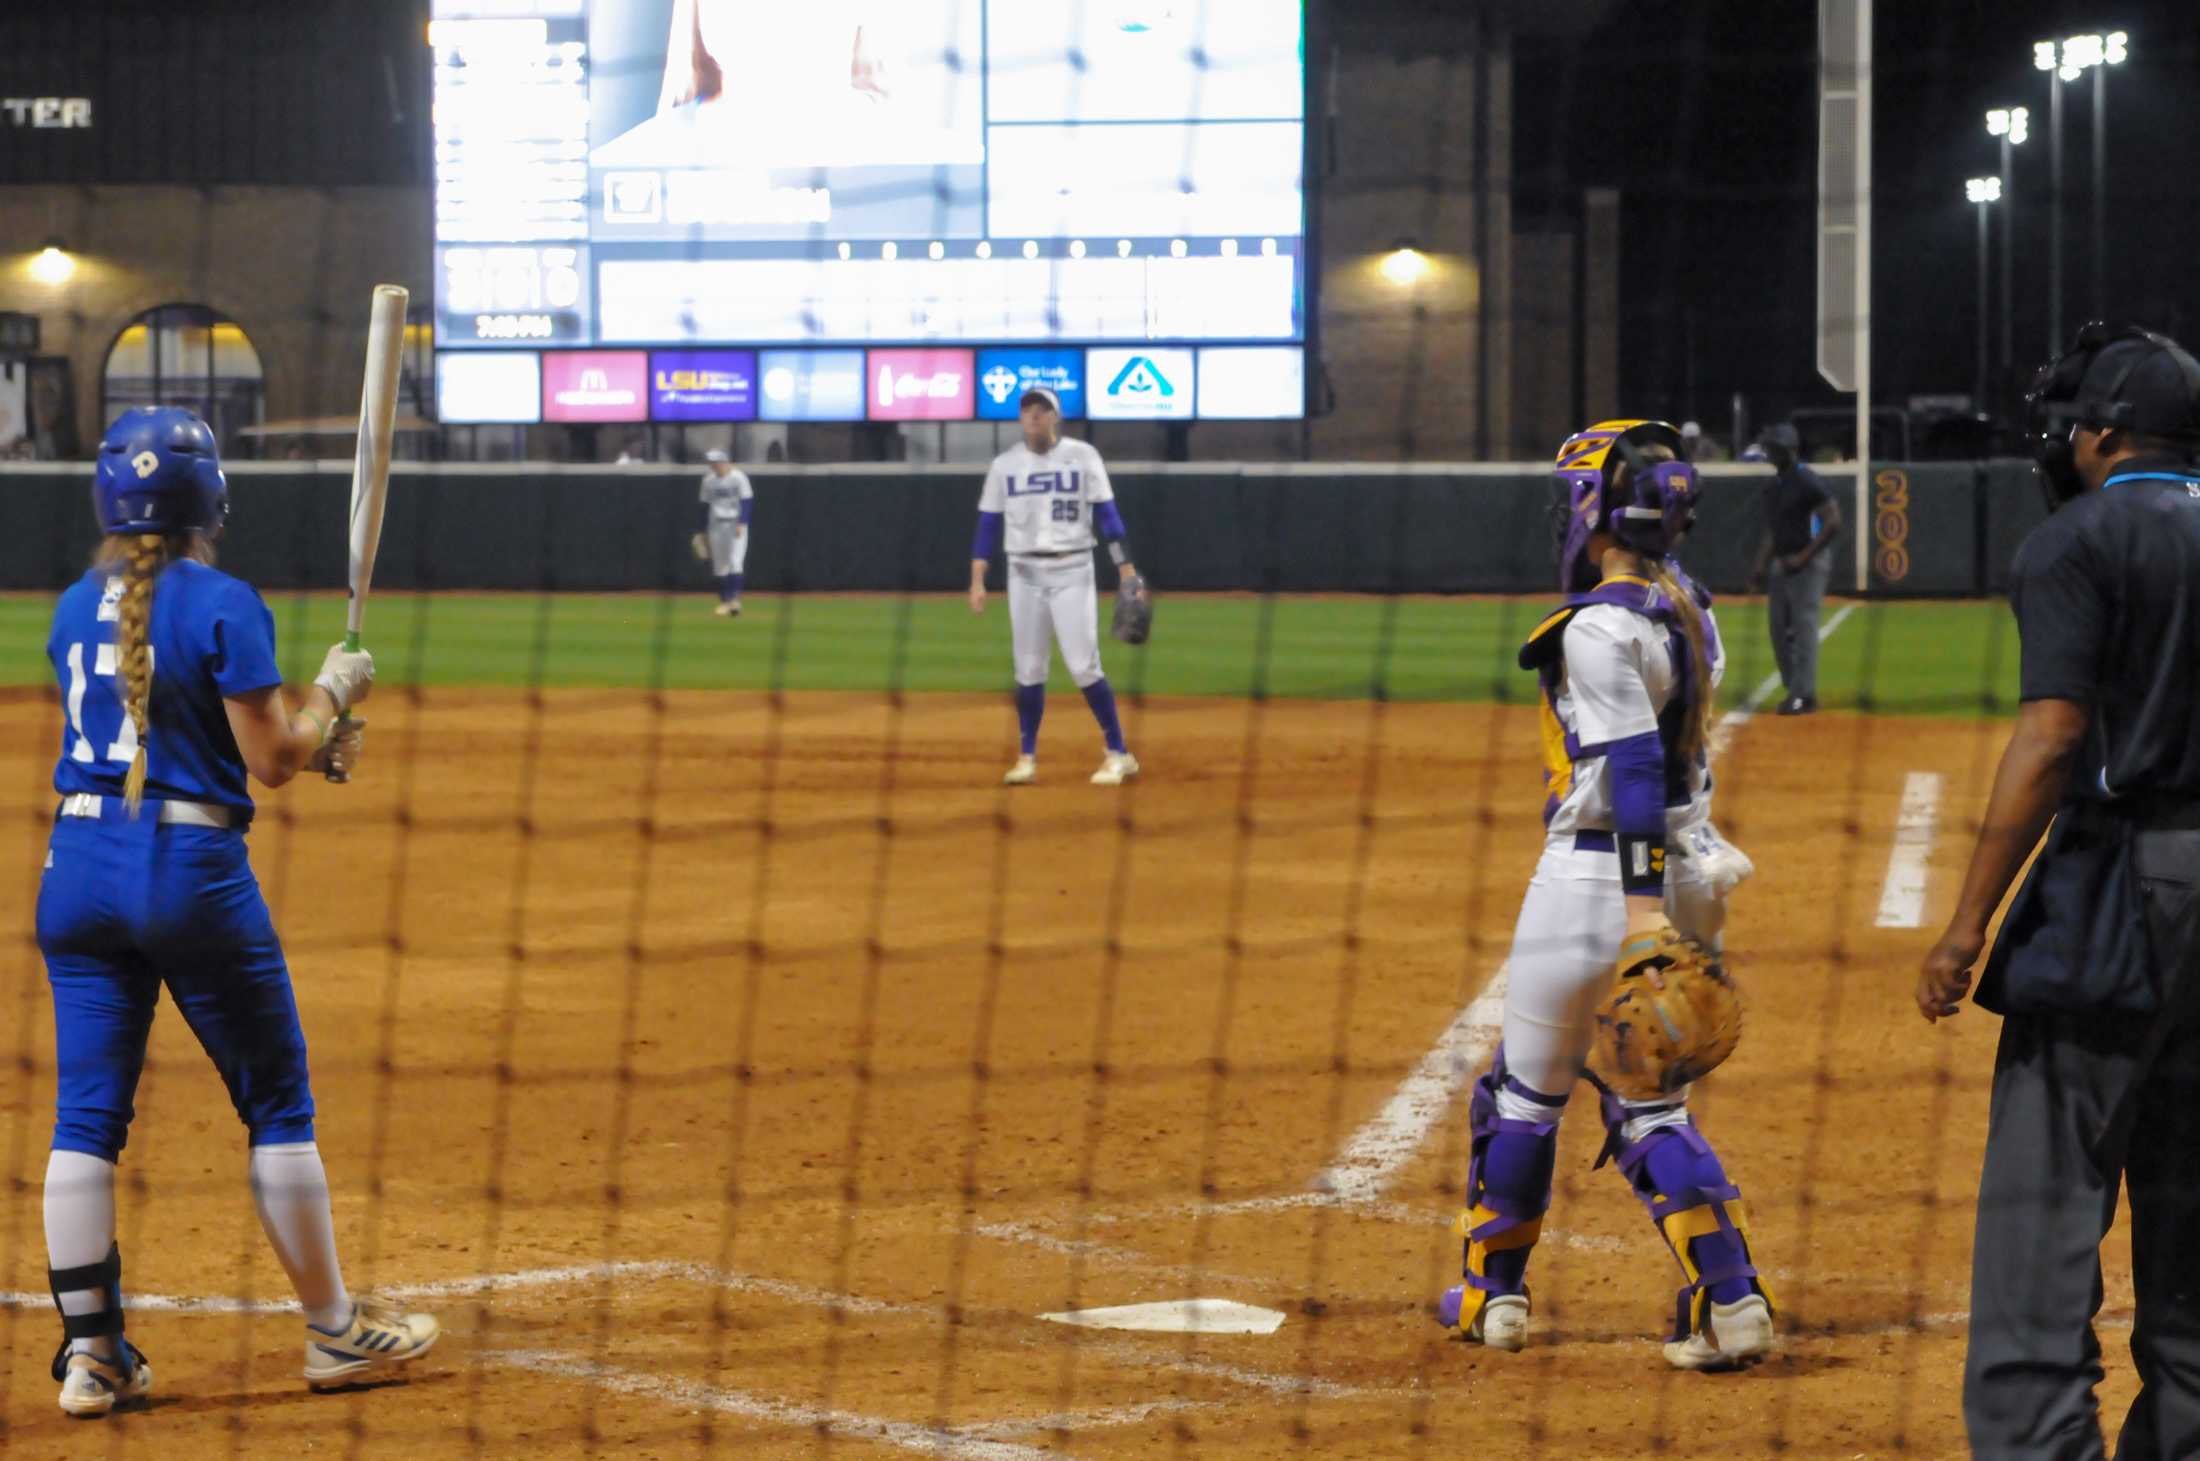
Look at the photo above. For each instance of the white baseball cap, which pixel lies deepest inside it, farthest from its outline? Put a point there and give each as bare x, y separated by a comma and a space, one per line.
715, 455
1041, 393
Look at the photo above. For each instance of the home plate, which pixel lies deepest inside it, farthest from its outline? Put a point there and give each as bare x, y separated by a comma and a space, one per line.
1177, 1316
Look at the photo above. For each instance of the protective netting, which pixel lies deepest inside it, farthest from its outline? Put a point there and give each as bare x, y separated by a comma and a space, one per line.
736, 1067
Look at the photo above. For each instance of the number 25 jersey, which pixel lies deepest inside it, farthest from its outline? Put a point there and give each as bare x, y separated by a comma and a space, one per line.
1046, 498
211, 637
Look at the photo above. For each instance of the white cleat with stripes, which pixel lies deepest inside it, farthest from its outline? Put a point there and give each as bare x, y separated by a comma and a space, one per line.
379, 1337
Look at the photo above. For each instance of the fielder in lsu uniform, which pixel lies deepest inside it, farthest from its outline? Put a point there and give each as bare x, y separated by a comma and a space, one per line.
1046, 498
727, 498
1628, 669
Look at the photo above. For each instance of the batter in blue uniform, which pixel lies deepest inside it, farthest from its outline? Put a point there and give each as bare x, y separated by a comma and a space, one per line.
171, 699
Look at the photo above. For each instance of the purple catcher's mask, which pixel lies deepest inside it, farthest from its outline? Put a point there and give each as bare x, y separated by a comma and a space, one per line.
1647, 514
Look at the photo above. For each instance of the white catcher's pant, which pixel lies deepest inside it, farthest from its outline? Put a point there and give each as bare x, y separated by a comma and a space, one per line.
729, 550
1571, 926
1053, 600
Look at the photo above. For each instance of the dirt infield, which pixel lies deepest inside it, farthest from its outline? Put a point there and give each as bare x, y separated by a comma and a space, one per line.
741, 1079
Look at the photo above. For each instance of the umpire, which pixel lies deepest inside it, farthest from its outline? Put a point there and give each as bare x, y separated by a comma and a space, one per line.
1793, 563
2097, 1080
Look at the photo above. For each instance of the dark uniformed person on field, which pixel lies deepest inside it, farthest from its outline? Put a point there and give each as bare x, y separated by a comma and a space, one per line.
2097, 1081
1794, 563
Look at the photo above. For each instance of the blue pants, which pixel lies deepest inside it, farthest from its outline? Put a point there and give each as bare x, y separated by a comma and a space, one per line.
125, 907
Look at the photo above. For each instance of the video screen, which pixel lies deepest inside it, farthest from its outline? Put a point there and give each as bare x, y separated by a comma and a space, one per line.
940, 175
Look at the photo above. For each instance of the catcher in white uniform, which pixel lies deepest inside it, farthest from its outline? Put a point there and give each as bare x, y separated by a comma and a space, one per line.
1046, 498
1628, 668
727, 499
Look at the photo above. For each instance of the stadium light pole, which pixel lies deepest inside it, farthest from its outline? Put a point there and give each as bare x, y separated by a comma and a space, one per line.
2044, 57
2115, 46
1985, 192
2013, 125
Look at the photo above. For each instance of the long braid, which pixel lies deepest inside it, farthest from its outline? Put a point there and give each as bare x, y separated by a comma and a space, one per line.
1696, 728
143, 558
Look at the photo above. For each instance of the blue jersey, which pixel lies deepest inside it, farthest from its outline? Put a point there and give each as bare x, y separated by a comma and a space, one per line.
212, 638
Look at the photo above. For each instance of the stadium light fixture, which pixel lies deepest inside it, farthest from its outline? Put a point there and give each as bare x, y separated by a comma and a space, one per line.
1982, 190
1405, 263
53, 265
2013, 123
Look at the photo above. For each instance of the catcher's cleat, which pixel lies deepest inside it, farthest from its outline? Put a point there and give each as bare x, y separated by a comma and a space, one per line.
378, 1337
1119, 767
1733, 1337
91, 1386
1502, 1323
1023, 773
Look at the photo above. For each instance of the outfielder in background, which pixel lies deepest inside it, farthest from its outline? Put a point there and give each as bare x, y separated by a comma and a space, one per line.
1044, 499
1628, 668
727, 499
171, 697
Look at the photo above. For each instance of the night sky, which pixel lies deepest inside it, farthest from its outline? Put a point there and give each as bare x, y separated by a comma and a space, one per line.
1705, 115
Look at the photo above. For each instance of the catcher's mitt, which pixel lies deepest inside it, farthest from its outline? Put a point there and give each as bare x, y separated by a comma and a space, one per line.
1651, 1042
700, 546
1133, 611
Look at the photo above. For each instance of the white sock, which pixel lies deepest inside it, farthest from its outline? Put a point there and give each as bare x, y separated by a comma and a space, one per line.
80, 1228
290, 1188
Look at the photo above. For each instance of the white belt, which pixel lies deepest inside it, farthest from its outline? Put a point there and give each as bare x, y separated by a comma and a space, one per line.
175, 813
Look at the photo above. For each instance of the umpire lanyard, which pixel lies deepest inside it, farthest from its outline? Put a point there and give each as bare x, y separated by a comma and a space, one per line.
2189, 479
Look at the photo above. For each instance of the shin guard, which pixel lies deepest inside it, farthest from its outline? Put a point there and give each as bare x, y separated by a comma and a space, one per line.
1698, 1211
1508, 1191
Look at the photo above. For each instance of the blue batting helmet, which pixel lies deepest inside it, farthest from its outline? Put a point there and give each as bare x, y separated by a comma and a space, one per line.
159, 473
1648, 513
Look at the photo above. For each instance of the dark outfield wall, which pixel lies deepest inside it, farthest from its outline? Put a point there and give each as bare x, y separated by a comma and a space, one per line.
1935, 529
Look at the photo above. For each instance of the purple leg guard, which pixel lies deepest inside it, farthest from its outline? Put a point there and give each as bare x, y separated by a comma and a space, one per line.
1031, 704
1508, 1191
1680, 1180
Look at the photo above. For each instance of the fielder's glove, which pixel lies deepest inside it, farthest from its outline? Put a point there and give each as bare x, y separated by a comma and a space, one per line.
1133, 611
1651, 1042
699, 545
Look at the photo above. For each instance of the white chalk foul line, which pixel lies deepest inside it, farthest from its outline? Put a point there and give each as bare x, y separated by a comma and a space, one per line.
1902, 897
1769, 686
1108, 1256
1389, 1139
907, 1435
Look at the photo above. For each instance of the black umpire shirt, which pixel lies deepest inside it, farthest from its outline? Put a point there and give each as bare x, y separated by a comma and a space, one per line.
1792, 505
2107, 596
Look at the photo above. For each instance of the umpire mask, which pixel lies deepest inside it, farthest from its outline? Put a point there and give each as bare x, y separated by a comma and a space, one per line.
2110, 376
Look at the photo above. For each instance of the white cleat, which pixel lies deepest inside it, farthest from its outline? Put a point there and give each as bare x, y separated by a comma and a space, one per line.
91, 1386
1119, 767
736, 608
378, 1337
1740, 1334
1023, 773
1502, 1324
725, 611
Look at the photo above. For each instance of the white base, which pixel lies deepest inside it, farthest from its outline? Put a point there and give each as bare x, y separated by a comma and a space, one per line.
1178, 1316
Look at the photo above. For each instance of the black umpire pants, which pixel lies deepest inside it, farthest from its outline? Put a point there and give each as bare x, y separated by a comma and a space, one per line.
2048, 1196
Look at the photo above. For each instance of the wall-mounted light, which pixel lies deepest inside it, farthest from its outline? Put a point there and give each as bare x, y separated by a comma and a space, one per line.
1405, 263
53, 265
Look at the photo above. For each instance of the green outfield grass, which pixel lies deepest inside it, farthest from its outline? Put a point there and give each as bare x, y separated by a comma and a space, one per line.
1931, 658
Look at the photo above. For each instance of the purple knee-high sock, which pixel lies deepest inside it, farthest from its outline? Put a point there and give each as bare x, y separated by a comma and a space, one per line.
733, 582
725, 588
1102, 701
1031, 703
1678, 1166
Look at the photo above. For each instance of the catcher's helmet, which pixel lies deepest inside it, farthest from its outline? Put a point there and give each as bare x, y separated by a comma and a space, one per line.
159, 472
1648, 513
2109, 377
